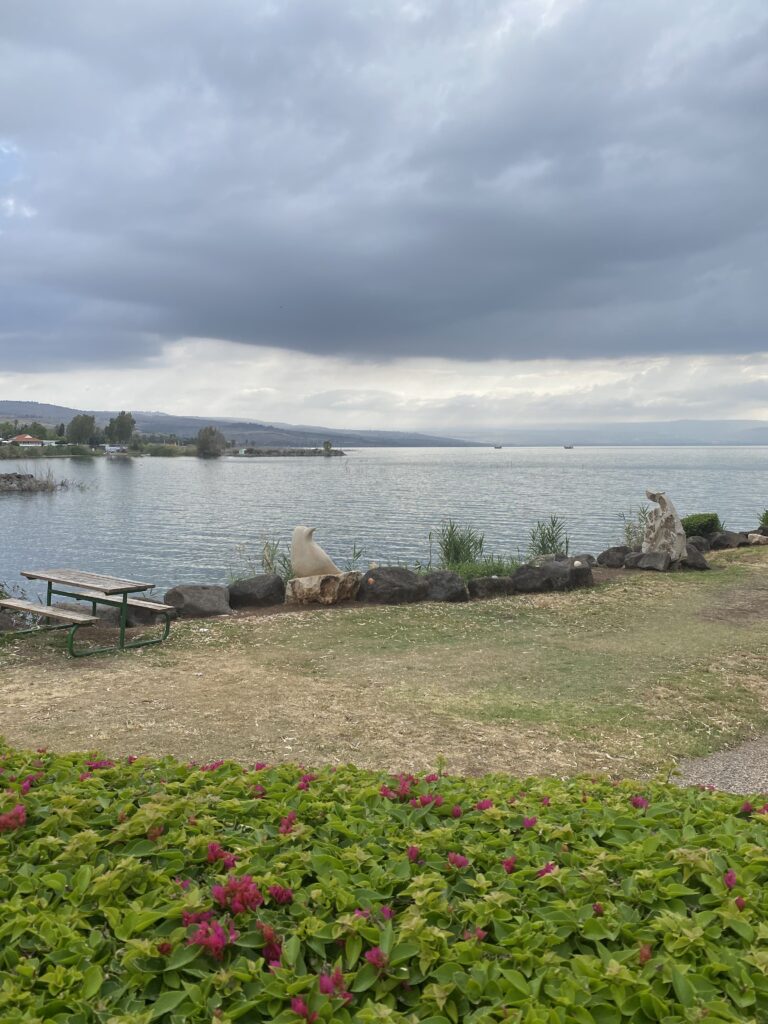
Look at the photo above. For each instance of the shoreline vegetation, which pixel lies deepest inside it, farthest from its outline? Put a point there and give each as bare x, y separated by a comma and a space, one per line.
32, 483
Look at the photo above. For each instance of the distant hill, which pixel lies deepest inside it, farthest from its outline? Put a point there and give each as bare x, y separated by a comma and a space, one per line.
286, 435
240, 431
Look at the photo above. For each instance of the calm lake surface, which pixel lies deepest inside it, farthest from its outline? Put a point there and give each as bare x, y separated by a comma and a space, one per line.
182, 520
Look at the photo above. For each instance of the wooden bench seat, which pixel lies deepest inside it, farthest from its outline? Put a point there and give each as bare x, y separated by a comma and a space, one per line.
63, 614
116, 601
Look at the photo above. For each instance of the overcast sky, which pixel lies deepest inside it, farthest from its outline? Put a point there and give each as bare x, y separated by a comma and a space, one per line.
363, 213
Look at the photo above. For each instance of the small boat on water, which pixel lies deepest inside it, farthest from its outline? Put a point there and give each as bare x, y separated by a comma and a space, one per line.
568, 446
497, 446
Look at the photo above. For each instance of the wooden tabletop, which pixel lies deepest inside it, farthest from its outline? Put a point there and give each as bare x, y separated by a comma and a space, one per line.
89, 580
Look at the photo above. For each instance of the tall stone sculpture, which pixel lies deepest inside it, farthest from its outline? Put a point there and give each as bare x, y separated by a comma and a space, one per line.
664, 531
307, 557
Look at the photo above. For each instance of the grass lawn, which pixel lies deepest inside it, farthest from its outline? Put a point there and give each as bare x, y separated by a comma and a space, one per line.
624, 677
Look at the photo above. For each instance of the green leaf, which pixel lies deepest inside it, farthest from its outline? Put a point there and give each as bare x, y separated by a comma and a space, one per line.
92, 979
181, 956
166, 1002
365, 978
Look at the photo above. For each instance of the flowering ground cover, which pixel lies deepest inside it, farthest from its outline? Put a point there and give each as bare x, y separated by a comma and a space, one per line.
150, 890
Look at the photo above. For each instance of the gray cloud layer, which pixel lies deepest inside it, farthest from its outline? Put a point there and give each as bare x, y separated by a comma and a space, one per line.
517, 179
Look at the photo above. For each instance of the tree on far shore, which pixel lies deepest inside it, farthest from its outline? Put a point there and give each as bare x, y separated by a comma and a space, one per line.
120, 428
80, 429
210, 443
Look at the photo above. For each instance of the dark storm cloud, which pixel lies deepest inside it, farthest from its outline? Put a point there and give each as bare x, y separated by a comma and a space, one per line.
515, 179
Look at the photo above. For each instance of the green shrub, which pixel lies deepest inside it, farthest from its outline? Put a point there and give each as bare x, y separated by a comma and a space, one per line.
764, 518
701, 524
548, 537
157, 891
458, 545
634, 522
489, 565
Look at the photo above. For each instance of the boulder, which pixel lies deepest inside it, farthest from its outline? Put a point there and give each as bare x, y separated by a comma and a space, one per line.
540, 579
391, 584
329, 588
613, 558
724, 539
700, 543
664, 533
199, 600
659, 561
307, 557
694, 559
757, 538
490, 586
446, 586
585, 559
257, 591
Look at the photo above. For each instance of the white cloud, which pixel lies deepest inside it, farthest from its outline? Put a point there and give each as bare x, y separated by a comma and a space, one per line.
217, 378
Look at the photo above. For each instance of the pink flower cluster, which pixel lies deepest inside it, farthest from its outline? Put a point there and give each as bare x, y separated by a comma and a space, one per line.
334, 985
216, 853
301, 1009
305, 781
426, 799
640, 802
211, 766
99, 764
238, 894
286, 825
29, 781
483, 805
280, 894
403, 791
213, 936
377, 957
13, 819
273, 947
457, 860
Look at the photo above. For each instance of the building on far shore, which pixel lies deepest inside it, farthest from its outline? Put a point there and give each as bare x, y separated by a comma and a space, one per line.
26, 441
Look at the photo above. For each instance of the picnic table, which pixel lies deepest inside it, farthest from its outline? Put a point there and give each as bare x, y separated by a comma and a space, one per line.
96, 589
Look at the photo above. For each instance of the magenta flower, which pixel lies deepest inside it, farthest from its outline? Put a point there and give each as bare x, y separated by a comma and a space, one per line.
530, 822
84, 775
644, 954
286, 825
474, 933
131, 758
211, 766
260, 766
258, 791
183, 883
548, 869
509, 864
457, 860
301, 1009
13, 819
388, 793
305, 781
413, 853
213, 936
456, 811
387, 913
217, 853
377, 957
164, 948
483, 805
360, 912
639, 802
99, 764
729, 878
29, 781
740, 902
598, 909
280, 894
746, 808
238, 894
545, 801
334, 985
189, 917
432, 777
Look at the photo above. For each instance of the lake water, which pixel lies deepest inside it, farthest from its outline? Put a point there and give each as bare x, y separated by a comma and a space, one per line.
182, 520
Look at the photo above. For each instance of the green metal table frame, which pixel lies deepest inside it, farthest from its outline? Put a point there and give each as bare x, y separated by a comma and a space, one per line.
115, 601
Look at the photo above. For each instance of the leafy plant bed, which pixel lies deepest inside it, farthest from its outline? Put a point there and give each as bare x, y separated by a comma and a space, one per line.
155, 891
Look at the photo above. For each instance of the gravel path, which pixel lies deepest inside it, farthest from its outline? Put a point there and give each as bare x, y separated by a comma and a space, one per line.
744, 769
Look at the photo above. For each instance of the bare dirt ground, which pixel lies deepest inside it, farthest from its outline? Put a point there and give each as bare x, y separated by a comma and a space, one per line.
625, 677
